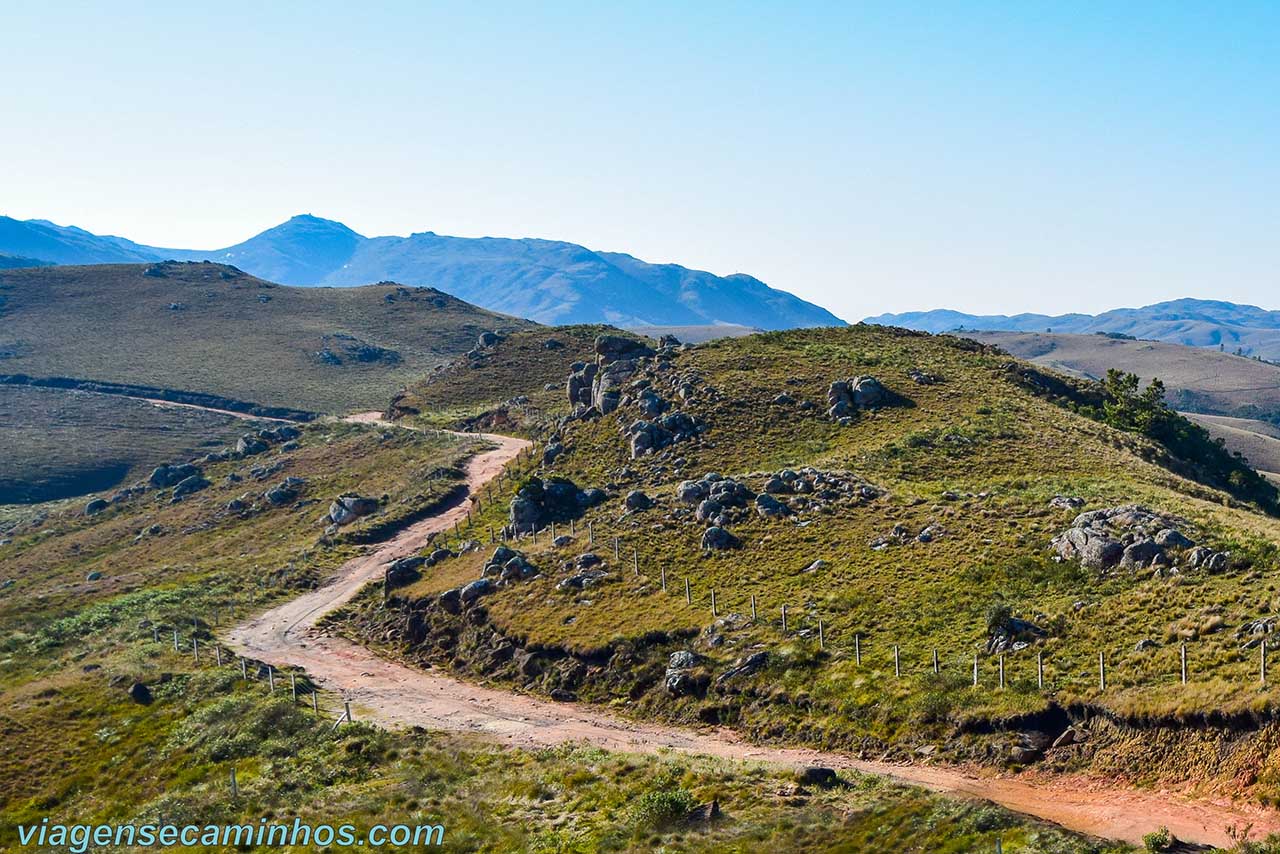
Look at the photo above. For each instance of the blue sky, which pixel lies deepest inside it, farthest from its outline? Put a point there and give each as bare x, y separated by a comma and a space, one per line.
994, 157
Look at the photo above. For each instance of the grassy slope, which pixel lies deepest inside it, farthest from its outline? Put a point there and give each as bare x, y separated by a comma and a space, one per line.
1002, 452
70, 648
1198, 379
114, 323
520, 365
65, 443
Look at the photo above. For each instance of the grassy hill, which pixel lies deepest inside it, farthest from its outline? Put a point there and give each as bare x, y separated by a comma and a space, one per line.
211, 328
1197, 379
66, 443
85, 598
1257, 441
929, 531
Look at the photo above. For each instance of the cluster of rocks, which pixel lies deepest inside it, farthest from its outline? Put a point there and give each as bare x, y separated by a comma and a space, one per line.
505, 566
1133, 537
340, 348
587, 570
901, 535
846, 398
540, 502
680, 679
1013, 634
285, 492
623, 376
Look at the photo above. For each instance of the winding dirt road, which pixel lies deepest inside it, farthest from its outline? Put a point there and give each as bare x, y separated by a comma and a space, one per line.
395, 695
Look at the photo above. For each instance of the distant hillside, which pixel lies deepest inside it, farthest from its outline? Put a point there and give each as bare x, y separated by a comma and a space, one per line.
695, 334
212, 328
1257, 441
1215, 324
1197, 380
547, 280
11, 262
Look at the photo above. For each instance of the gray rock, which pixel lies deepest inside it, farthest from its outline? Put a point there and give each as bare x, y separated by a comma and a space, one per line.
1140, 554
637, 500
349, 507
169, 475
769, 507
93, 576
716, 538
691, 492
96, 506
487, 339
682, 660
1172, 538
473, 591
708, 510
190, 485
611, 348
250, 444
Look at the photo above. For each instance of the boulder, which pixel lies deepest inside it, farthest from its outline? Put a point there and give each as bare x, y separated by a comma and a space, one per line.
169, 475
816, 775
487, 339
473, 591
612, 348
752, 663
140, 693
716, 538
348, 507
250, 444
95, 506
1172, 538
637, 500
691, 492
770, 508
190, 485
1140, 553
582, 579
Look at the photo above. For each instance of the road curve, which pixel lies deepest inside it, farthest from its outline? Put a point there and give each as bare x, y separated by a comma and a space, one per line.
395, 695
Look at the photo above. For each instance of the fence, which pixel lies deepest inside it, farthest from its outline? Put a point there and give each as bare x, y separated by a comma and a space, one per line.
1047, 673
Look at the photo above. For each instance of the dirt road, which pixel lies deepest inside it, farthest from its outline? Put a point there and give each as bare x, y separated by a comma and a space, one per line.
395, 695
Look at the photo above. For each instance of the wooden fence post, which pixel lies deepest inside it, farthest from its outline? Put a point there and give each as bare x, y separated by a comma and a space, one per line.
244, 669
1002, 671
155, 634
1040, 670
784, 619
664, 579
975, 670
315, 702
897, 666
753, 607
688, 597
346, 704
271, 678
857, 649
217, 654
1262, 661
591, 534
235, 787
1102, 670
175, 640
822, 639
936, 669
293, 686
195, 649
1183, 655
713, 603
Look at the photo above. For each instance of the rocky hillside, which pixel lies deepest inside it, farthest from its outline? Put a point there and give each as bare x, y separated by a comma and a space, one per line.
211, 328
821, 536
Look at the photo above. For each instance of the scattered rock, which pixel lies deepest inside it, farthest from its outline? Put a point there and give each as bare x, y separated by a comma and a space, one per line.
140, 693
169, 475
190, 486
716, 538
96, 506
348, 507
816, 775
637, 500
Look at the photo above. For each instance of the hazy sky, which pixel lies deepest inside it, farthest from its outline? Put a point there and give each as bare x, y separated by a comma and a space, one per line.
994, 157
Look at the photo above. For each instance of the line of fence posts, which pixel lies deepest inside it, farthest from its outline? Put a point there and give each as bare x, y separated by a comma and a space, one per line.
936, 661
345, 717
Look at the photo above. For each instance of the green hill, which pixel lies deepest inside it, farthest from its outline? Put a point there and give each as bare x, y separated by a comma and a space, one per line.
923, 524
211, 328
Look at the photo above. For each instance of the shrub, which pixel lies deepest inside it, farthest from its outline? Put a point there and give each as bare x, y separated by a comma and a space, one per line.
1158, 840
659, 808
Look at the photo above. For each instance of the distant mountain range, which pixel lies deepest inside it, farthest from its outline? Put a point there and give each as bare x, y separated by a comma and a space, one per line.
544, 280
1246, 329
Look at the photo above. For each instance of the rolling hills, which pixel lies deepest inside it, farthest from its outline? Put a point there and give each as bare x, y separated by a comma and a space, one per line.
1218, 324
546, 280
211, 328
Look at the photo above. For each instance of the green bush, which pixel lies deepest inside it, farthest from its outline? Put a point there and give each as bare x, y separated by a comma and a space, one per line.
660, 808
1157, 840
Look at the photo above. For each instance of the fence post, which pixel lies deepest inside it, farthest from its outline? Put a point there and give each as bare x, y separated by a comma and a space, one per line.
936, 669
217, 654
293, 686
271, 678
857, 649
688, 597
571, 527
591, 534
1262, 661
822, 639
615, 548
753, 607
315, 702
1102, 670
897, 666
1002, 671
195, 649
635, 562
784, 619
175, 640
1183, 655
664, 578
244, 669
346, 705
553, 532
1040, 670
713, 603
155, 634
235, 787
975, 670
